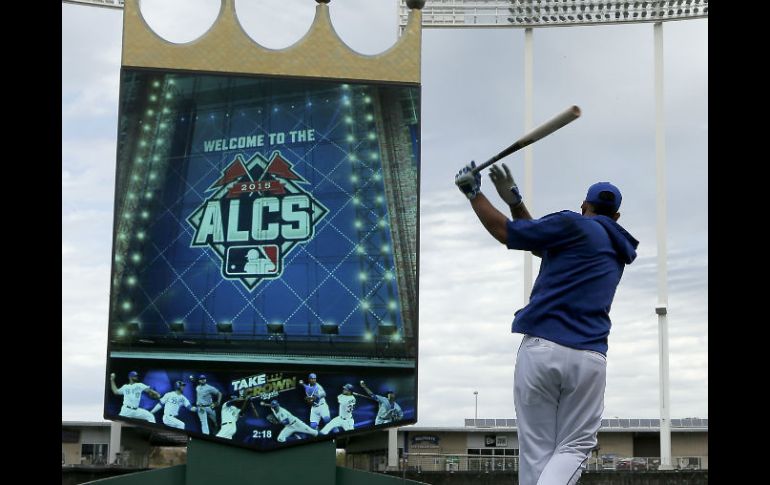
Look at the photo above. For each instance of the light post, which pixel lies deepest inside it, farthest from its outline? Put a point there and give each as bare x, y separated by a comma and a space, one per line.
555, 13
476, 414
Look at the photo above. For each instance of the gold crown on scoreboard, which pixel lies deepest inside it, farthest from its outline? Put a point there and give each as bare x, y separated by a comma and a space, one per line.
226, 47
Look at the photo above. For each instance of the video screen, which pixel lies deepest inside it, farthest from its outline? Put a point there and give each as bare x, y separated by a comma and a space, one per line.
263, 225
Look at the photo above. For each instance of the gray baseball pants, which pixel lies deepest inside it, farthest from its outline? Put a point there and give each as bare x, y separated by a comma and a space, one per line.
558, 393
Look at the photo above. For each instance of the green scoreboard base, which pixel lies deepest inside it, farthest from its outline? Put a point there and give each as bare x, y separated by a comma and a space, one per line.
212, 464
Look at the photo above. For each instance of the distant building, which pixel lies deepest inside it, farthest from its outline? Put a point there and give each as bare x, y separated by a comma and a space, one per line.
87, 444
479, 445
492, 445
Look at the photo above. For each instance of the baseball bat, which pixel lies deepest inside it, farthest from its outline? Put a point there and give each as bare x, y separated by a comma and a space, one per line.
567, 116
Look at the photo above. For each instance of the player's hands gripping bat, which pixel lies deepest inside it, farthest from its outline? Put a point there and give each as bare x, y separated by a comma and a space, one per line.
468, 181
505, 185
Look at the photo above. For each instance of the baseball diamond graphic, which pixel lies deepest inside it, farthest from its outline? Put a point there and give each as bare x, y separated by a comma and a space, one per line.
265, 197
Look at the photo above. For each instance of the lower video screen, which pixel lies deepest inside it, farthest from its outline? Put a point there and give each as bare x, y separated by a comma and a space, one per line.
268, 409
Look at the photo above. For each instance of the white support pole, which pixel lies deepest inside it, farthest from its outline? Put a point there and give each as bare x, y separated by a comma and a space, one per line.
392, 448
528, 126
662, 308
115, 432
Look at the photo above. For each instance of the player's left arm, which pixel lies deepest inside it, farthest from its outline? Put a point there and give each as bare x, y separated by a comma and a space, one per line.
307, 397
492, 219
398, 413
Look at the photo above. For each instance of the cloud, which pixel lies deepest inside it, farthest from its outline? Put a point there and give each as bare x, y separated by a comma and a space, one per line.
90, 73
85, 293
470, 285
472, 107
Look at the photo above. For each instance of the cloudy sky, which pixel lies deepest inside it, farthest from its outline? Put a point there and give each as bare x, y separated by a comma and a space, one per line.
472, 106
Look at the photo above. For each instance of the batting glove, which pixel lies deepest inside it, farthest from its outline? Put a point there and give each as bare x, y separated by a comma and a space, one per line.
505, 185
468, 182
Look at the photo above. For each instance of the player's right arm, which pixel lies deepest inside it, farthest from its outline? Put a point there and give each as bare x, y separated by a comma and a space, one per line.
113, 386
492, 219
283, 421
218, 400
151, 392
305, 387
368, 391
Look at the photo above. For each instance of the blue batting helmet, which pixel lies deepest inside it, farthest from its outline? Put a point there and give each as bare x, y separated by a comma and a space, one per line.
178, 385
202, 377
348, 387
133, 373
312, 376
274, 404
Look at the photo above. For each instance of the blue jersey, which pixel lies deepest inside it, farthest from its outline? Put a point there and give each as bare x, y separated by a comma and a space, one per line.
206, 393
582, 261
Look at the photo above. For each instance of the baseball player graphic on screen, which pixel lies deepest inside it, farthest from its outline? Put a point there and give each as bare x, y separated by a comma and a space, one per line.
344, 419
389, 410
232, 410
291, 423
132, 394
256, 264
208, 397
315, 395
171, 402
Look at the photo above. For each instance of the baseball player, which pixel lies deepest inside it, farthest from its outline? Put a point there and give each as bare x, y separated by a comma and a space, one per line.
291, 423
232, 410
205, 394
132, 394
256, 264
561, 367
344, 419
389, 410
171, 402
316, 397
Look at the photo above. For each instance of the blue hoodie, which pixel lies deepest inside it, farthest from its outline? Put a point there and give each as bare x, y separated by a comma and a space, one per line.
582, 261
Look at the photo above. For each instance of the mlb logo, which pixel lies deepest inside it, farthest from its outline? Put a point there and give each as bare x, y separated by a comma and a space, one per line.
252, 261
254, 191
